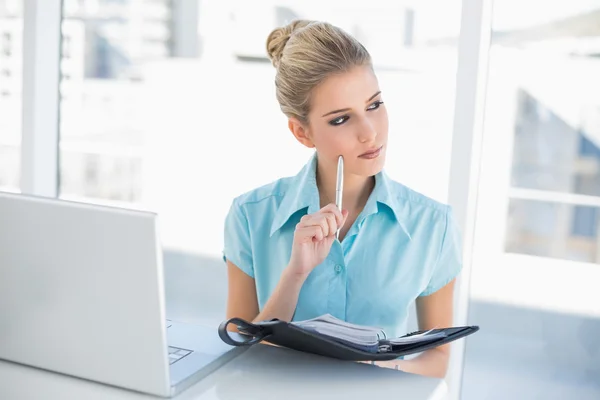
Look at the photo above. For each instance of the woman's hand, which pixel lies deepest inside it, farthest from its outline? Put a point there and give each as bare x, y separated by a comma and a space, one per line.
313, 238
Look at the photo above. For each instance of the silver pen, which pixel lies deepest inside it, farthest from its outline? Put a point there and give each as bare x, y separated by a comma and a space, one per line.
339, 187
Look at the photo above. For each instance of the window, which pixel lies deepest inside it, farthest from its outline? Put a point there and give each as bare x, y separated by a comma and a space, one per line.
555, 174
556, 228
555, 178
11, 51
538, 226
175, 102
537, 241
540, 192
101, 138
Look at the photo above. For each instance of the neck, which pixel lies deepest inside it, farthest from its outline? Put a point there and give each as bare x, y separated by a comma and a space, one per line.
356, 188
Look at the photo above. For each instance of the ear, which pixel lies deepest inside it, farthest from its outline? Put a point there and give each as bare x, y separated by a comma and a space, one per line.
300, 132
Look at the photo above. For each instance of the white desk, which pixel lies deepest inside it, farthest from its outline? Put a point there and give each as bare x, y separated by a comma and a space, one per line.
262, 372
196, 292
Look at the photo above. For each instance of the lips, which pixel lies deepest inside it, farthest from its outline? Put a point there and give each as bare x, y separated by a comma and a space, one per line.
372, 153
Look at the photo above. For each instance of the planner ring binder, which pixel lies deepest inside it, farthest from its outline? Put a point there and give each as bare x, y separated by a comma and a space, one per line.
330, 337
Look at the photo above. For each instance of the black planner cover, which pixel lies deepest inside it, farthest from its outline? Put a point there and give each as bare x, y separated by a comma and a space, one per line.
295, 337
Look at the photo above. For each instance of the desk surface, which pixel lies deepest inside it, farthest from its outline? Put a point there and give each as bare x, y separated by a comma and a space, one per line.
262, 372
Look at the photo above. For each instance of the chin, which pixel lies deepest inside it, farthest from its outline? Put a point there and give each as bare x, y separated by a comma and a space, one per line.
368, 168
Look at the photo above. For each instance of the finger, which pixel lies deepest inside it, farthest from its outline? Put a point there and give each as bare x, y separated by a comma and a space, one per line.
324, 225
309, 233
319, 219
335, 210
308, 220
331, 223
305, 219
344, 217
316, 232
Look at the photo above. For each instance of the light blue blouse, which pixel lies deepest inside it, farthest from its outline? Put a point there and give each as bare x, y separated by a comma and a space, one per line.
403, 245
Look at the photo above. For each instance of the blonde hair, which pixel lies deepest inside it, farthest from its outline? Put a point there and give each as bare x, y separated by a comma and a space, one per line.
305, 53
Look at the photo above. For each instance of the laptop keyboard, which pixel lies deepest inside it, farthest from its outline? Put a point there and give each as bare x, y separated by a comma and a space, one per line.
176, 354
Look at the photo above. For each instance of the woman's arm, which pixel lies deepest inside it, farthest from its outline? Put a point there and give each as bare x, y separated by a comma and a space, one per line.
313, 237
243, 303
433, 311
241, 295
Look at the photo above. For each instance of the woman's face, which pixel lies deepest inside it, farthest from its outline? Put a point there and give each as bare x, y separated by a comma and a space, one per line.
348, 118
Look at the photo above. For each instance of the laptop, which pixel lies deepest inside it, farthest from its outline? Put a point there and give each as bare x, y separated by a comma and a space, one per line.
82, 294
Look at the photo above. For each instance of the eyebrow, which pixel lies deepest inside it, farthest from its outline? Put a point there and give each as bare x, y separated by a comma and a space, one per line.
347, 109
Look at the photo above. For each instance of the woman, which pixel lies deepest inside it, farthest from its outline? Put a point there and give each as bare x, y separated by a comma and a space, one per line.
395, 245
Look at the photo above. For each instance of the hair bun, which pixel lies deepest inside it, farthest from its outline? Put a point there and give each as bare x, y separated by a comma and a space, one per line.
279, 37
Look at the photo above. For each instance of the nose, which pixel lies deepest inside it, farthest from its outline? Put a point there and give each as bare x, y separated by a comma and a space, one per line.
367, 132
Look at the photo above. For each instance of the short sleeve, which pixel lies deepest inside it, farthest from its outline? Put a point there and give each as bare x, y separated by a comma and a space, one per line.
449, 263
237, 247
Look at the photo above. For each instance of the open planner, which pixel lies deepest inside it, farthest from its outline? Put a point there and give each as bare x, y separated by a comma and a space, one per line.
331, 337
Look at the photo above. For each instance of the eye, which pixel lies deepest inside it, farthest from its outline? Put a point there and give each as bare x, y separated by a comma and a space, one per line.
375, 105
339, 120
